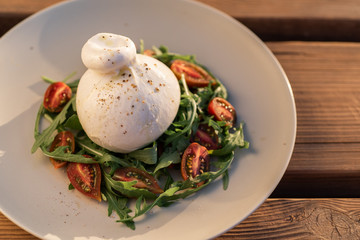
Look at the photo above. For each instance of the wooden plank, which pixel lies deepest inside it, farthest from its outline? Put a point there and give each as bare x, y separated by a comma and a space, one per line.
269, 19
262, 9
24, 7
326, 86
332, 158
8, 230
325, 81
284, 9
318, 20
275, 219
301, 219
324, 77
14, 11
322, 170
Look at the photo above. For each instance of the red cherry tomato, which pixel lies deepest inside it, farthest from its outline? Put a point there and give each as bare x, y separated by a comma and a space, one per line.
144, 179
64, 138
195, 161
86, 178
149, 52
195, 76
56, 96
206, 136
222, 110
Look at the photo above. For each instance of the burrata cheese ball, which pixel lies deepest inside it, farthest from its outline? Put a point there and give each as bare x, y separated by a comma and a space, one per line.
124, 100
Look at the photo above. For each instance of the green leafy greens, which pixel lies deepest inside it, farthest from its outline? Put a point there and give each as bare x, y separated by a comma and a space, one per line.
156, 158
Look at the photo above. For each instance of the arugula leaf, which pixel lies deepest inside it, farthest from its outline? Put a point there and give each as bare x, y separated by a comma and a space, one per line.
44, 137
220, 91
74, 84
225, 179
204, 95
126, 188
144, 208
147, 155
231, 142
118, 204
141, 46
73, 122
191, 114
163, 55
48, 80
60, 154
101, 155
166, 159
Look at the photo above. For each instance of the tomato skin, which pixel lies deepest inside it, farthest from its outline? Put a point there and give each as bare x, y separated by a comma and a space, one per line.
144, 179
149, 52
56, 96
195, 161
64, 138
86, 178
206, 136
222, 110
195, 76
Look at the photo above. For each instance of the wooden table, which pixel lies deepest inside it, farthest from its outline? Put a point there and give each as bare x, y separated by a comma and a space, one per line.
316, 41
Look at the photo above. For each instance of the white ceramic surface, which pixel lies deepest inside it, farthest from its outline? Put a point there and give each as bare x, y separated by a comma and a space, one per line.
34, 195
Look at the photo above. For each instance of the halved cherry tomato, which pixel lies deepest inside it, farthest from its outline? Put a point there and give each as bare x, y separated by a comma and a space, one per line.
222, 110
56, 96
206, 136
195, 161
86, 178
149, 52
65, 138
195, 76
144, 179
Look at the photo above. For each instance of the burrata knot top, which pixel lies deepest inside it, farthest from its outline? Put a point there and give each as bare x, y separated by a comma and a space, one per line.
124, 100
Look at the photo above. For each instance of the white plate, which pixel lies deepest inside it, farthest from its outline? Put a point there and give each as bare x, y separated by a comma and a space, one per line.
35, 196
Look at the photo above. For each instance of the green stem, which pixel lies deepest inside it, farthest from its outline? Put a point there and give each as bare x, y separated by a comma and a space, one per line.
37, 121
68, 77
192, 116
44, 136
48, 80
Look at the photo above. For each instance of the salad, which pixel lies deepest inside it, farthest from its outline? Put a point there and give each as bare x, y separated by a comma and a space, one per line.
193, 151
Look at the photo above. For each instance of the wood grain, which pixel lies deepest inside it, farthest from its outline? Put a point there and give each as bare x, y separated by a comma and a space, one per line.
282, 9
296, 9
325, 81
318, 20
24, 7
301, 219
285, 219
8, 230
323, 20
